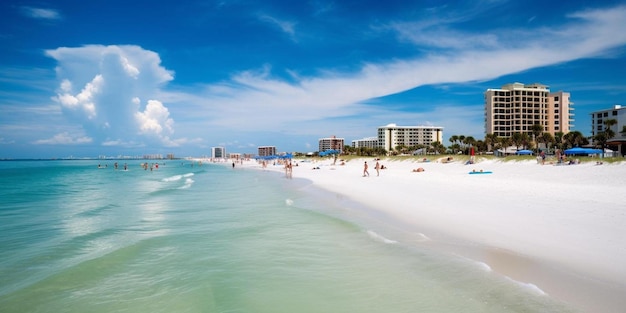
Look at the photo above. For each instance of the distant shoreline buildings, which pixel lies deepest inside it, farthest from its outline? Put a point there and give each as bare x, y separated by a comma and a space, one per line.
391, 136
513, 108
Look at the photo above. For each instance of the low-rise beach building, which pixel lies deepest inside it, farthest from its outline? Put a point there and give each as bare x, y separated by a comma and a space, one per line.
369, 142
516, 107
392, 135
617, 113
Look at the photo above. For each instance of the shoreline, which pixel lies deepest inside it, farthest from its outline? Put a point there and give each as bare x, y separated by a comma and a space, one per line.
556, 228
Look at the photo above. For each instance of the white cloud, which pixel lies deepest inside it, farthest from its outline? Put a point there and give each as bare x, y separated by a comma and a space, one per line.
84, 100
40, 13
256, 100
285, 26
64, 139
155, 120
112, 80
4, 141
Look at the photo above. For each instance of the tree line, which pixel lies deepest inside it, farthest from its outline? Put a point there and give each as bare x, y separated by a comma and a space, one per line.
533, 140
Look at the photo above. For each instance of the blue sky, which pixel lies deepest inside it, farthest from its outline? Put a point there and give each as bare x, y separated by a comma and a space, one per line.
89, 78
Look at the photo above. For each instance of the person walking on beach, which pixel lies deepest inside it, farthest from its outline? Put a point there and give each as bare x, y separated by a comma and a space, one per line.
377, 167
365, 172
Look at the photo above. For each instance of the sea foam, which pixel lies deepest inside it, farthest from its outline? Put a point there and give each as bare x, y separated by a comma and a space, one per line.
380, 238
176, 177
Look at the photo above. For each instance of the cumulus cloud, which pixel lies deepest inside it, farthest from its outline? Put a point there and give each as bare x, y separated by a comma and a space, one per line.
101, 87
155, 120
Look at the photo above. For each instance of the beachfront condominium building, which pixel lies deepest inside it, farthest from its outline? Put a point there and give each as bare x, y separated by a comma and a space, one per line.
617, 113
516, 107
218, 152
267, 151
370, 143
331, 143
392, 135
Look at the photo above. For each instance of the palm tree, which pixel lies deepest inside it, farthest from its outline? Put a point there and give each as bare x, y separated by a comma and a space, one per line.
516, 139
461, 140
575, 139
526, 140
601, 138
491, 140
537, 130
470, 141
606, 135
558, 140
607, 127
481, 146
505, 142
438, 147
454, 138
547, 139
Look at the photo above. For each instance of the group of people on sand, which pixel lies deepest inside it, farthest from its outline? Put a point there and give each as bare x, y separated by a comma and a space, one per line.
377, 167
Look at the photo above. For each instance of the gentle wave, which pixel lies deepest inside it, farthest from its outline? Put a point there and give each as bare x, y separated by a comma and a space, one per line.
484, 266
176, 177
380, 238
529, 286
422, 237
188, 183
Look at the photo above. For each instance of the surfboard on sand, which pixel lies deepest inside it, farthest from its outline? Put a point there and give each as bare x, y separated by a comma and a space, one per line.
483, 172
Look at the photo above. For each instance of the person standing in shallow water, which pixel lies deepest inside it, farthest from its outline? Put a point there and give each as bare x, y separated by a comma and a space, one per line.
365, 172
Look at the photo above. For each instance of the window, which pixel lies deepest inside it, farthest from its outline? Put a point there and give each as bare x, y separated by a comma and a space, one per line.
614, 113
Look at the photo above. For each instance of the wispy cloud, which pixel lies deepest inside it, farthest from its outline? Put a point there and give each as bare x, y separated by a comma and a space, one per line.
64, 139
253, 100
285, 26
40, 13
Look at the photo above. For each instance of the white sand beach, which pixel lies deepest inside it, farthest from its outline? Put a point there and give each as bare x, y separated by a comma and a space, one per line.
559, 228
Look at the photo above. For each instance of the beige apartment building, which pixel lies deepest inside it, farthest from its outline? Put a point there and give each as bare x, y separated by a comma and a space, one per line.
331, 143
266, 150
392, 135
516, 107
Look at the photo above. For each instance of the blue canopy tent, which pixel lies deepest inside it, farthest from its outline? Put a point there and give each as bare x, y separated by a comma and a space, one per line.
524, 152
329, 152
582, 151
286, 156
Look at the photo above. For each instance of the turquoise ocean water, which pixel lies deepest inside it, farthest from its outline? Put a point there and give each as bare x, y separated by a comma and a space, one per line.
183, 238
